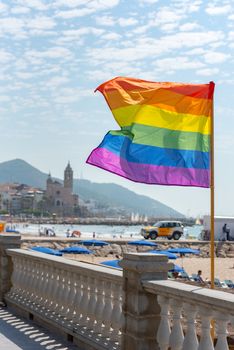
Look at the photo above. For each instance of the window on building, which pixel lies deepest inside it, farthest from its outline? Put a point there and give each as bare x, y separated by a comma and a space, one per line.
58, 203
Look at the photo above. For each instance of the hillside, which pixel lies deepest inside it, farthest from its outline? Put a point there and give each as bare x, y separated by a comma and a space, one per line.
108, 194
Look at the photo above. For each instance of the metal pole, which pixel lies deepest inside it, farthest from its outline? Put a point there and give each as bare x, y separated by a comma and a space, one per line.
212, 204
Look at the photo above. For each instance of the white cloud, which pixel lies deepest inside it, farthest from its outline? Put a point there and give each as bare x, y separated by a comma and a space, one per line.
5, 56
218, 10
11, 25
24, 75
20, 10
178, 63
57, 81
207, 72
34, 4
69, 3
3, 7
53, 53
124, 22
41, 23
90, 7
105, 21
189, 26
111, 36
74, 13
215, 57
148, 1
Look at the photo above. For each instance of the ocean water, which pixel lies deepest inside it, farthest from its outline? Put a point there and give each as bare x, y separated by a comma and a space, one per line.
100, 231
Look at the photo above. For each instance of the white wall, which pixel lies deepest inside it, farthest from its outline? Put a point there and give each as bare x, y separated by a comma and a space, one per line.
219, 222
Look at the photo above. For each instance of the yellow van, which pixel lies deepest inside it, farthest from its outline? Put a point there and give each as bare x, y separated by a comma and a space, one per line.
167, 229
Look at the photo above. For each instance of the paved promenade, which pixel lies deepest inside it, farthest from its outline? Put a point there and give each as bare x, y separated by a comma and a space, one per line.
17, 333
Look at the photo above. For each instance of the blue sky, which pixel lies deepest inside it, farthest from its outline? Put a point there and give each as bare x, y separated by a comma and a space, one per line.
53, 54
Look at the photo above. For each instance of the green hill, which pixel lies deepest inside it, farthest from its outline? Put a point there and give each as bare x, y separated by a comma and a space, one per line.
107, 194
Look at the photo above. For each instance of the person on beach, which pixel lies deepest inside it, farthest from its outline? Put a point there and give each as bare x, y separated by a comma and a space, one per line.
226, 233
199, 277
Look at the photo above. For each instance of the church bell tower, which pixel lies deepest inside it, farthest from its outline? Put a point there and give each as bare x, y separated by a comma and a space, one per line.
68, 177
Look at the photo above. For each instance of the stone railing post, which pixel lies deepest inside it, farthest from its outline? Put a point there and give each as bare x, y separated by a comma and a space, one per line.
6, 241
141, 311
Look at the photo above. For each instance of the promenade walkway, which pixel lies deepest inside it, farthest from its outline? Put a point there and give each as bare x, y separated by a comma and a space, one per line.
17, 333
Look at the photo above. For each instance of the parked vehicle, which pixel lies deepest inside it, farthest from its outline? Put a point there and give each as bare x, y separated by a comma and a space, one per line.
168, 229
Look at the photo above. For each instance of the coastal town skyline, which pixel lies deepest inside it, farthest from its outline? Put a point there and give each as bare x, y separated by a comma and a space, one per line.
53, 56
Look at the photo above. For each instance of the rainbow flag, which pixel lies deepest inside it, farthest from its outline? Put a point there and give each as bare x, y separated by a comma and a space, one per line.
165, 132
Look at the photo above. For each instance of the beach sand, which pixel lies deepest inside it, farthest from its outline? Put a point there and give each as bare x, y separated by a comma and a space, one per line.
224, 267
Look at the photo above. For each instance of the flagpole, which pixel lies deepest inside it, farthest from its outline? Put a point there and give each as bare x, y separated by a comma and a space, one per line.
212, 198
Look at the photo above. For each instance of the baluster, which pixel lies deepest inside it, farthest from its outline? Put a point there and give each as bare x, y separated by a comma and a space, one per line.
51, 285
190, 340
205, 341
66, 292
30, 286
55, 291
40, 280
34, 283
77, 299
84, 302
164, 330
22, 281
59, 301
44, 287
107, 309
176, 337
116, 312
26, 293
71, 296
92, 303
100, 304
221, 331
15, 277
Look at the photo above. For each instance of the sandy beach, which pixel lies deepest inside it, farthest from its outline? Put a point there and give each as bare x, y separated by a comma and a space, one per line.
224, 267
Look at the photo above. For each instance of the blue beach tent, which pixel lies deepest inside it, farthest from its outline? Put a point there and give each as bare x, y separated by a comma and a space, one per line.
76, 250
164, 252
47, 250
112, 263
184, 251
94, 242
143, 243
177, 268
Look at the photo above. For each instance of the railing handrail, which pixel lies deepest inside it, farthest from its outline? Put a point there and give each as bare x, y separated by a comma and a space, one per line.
69, 264
217, 300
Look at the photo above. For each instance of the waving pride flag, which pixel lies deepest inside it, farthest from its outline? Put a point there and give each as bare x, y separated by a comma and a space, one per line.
165, 132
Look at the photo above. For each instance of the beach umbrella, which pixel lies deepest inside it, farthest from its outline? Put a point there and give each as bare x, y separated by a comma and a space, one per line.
94, 242
143, 243
75, 250
47, 250
184, 251
112, 263
177, 268
164, 252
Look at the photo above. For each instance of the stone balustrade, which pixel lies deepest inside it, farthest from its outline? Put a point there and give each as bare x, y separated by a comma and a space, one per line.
83, 300
101, 308
188, 311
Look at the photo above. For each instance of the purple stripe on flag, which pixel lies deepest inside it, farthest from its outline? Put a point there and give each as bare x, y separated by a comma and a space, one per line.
147, 173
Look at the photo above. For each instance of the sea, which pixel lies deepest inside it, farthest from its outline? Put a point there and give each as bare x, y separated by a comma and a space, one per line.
97, 231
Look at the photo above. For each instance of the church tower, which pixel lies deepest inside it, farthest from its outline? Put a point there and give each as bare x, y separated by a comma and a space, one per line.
49, 180
68, 177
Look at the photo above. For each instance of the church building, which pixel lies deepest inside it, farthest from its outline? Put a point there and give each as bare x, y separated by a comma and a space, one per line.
59, 197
